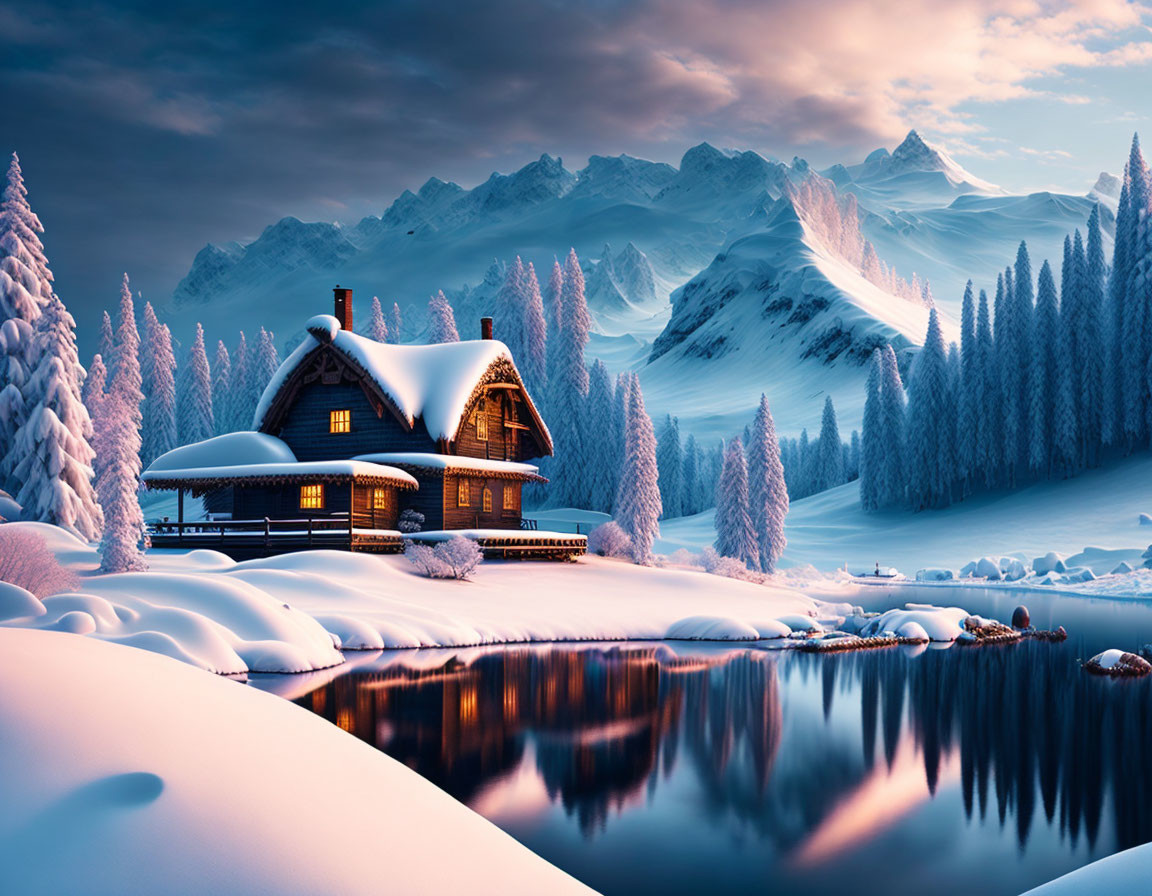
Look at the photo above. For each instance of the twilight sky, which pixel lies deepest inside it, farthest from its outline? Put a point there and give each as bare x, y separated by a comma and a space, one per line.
147, 129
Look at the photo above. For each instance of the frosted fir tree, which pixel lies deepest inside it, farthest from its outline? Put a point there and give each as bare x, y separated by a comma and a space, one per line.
555, 299
534, 361
241, 408
767, 493
690, 478
52, 448
568, 387
396, 322
377, 326
441, 320
670, 463
852, 465
602, 470
92, 392
987, 397
735, 536
1113, 417
638, 501
1070, 321
894, 479
872, 444
968, 396
618, 422
194, 400
1091, 402
25, 290
1136, 317
107, 340
930, 464
221, 387
265, 363
828, 469
1048, 363
125, 536
158, 370
510, 308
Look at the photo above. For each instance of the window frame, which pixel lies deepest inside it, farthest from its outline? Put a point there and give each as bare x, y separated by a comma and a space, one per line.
463, 492
379, 497
486, 500
340, 421
508, 498
482, 425
312, 496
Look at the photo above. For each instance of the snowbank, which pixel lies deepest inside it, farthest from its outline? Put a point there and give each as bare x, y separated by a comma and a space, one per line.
1123, 872
223, 795
920, 621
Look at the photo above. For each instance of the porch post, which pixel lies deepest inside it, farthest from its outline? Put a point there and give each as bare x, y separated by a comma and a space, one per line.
180, 505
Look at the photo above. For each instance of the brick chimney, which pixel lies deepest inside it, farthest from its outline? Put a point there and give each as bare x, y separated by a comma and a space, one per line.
485, 328
343, 312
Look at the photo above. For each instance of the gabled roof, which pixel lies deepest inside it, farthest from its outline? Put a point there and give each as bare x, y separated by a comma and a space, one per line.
431, 383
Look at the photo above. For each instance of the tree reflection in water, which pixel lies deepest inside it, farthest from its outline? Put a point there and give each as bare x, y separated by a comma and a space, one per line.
1020, 730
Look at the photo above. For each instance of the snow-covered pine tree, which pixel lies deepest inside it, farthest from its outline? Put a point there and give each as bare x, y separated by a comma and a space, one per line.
690, 477
568, 386
534, 361
1071, 319
670, 461
929, 460
602, 467
1047, 363
377, 327
555, 299
158, 367
510, 309
25, 290
618, 426
968, 397
767, 493
1136, 341
221, 386
1023, 295
52, 449
1091, 402
828, 469
92, 392
441, 320
1117, 281
240, 409
396, 321
265, 364
107, 339
638, 501
988, 450
119, 480
735, 536
872, 445
852, 465
195, 420
802, 478
894, 488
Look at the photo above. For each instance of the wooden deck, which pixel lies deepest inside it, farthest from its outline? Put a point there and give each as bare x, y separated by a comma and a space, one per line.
520, 545
245, 539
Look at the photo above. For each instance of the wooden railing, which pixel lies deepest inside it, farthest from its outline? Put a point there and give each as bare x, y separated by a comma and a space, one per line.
268, 534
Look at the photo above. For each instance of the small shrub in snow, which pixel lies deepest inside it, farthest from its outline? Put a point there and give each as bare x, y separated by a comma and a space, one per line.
456, 558
609, 540
729, 567
682, 557
27, 561
410, 521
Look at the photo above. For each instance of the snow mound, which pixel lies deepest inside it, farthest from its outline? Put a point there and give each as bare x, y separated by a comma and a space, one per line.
1050, 562
913, 631
1118, 663
934, 575
722, 628
182, 811
937, 623
17, 603
10, 509
1122, 872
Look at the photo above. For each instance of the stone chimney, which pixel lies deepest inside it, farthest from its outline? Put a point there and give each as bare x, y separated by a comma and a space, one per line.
343, 312
485, 328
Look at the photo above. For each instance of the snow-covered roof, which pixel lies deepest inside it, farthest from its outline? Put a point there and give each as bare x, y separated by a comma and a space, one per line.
417, 460
318, 469
231, 449
432, 383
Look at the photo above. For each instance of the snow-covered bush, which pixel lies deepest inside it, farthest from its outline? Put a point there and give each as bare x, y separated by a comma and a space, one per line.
410, 521
728, 567
27, 561
455, 558
609, 540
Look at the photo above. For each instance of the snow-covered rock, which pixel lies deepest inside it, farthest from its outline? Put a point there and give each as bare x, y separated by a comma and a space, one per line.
1118, 663
913, 631
987, 568
934, 574
1077, 574
721, 628
140, 775
1121, 568
937, 623
1050, 562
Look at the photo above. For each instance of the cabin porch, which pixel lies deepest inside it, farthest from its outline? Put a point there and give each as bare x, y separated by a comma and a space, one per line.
248, 539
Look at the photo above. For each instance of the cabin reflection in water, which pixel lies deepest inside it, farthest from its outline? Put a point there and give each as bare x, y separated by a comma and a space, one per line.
787, 744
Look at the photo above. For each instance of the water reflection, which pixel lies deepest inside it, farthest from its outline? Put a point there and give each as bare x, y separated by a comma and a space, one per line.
767, 760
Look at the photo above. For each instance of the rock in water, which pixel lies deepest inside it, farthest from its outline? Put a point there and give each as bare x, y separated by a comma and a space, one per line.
1020, 617
1117, 663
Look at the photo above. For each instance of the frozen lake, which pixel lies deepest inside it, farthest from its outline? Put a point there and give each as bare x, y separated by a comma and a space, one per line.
685, 768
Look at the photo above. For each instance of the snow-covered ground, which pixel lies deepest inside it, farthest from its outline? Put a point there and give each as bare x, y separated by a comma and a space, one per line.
291, 613
1099, 509
128, 772
1123, 872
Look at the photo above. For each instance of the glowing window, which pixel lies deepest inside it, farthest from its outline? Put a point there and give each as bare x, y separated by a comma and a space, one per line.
509, 498
311, 497
487, 500
339, 421
482, 426
463, 493
379, 499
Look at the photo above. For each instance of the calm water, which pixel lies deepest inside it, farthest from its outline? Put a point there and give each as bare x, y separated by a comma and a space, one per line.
672, 768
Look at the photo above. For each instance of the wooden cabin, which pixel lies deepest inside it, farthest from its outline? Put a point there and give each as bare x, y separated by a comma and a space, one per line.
353, 430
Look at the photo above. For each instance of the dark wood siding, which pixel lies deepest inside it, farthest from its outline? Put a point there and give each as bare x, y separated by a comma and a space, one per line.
473, 516
305, 427
428, 500
366, 516
282, 502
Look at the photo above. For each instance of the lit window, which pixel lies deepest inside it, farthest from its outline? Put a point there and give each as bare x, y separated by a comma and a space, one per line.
482, 426
463, 496
379, 499
509, 498
311, 497
487, 500
339, 421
